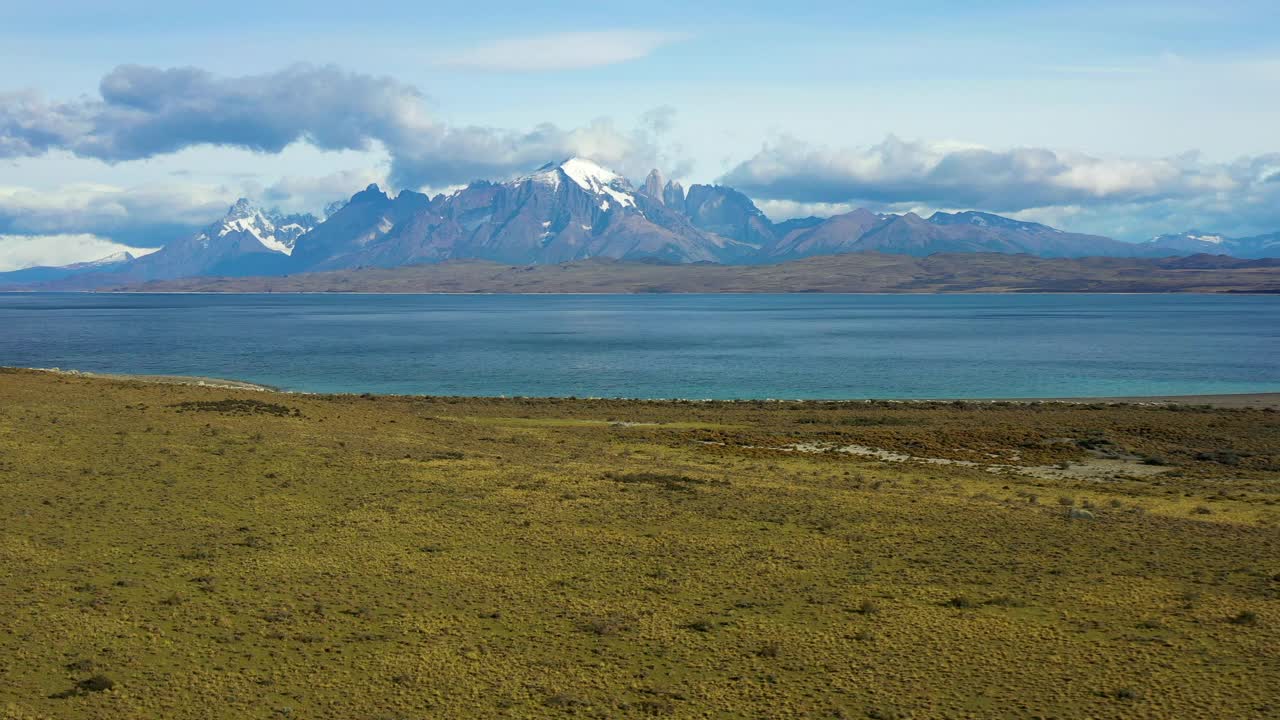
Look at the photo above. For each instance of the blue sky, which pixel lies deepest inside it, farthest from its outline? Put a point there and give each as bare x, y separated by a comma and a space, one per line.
128, 122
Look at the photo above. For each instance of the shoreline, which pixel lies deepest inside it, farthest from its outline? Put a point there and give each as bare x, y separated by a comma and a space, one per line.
196, 380
1257, 400
589, 293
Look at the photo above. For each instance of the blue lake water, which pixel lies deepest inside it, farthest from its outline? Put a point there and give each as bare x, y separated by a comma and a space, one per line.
691, 346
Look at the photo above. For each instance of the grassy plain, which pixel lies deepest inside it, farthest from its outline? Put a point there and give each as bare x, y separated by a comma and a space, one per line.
171, 551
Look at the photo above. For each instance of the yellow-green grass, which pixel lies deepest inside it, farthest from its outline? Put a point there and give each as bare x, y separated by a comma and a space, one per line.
351, 557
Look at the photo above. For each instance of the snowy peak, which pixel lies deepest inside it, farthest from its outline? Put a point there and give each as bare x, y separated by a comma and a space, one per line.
123, 256
1190, 236
591, 177
588, 175
1197, 236
244, 218
987, 220
273, 231
1198, 241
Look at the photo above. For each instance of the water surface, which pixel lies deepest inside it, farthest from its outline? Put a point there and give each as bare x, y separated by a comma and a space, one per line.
693, 346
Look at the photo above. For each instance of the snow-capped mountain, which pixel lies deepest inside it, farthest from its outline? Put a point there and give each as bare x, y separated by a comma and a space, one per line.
577, 209
605, 184
569, 210
246, 241
1196, 241
123, 256
45, 273
274, 231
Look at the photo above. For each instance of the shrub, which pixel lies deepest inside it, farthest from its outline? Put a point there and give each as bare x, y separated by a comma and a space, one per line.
666, 481
1222, 457
874, 422
656, 706
97, 683
699, 625
563, 700
1076, 513
232, 406
1244, 617
443, 455
769, 650
603, 626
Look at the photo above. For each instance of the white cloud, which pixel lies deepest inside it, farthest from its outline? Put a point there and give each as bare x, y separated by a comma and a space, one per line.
310, 194
778, 210
562, 51
1115, 193
146, 112
23, 251
146, 216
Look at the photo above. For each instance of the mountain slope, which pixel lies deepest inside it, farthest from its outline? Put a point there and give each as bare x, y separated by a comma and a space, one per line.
346, 234
727, 212
834, 235
45, 273
910, 234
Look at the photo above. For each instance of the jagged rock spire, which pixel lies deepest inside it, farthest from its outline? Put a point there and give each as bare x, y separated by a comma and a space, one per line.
673, 196
653, 185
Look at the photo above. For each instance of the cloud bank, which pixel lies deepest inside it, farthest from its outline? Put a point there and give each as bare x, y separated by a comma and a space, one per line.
896, 173
21, 251
143, 112
143, 216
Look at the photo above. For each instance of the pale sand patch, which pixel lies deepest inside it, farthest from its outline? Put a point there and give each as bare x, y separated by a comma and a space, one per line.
1091, 469
167, 379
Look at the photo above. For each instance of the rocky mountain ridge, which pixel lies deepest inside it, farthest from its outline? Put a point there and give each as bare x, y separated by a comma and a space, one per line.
576, 210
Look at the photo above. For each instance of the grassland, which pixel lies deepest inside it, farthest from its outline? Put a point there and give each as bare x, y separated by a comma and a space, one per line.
171, 551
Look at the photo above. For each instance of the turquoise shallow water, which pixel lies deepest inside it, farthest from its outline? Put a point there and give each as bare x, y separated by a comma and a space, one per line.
692, 346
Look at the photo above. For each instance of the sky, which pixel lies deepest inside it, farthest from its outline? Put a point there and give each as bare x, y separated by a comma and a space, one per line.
129, 124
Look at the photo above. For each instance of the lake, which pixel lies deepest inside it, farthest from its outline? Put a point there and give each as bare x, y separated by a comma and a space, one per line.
659, 346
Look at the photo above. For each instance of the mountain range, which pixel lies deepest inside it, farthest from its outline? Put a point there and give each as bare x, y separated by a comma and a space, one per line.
577, 210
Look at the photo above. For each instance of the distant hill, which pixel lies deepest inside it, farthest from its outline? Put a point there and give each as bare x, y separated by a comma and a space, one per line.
861, 272
1195, 241
577, 210
45, 274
